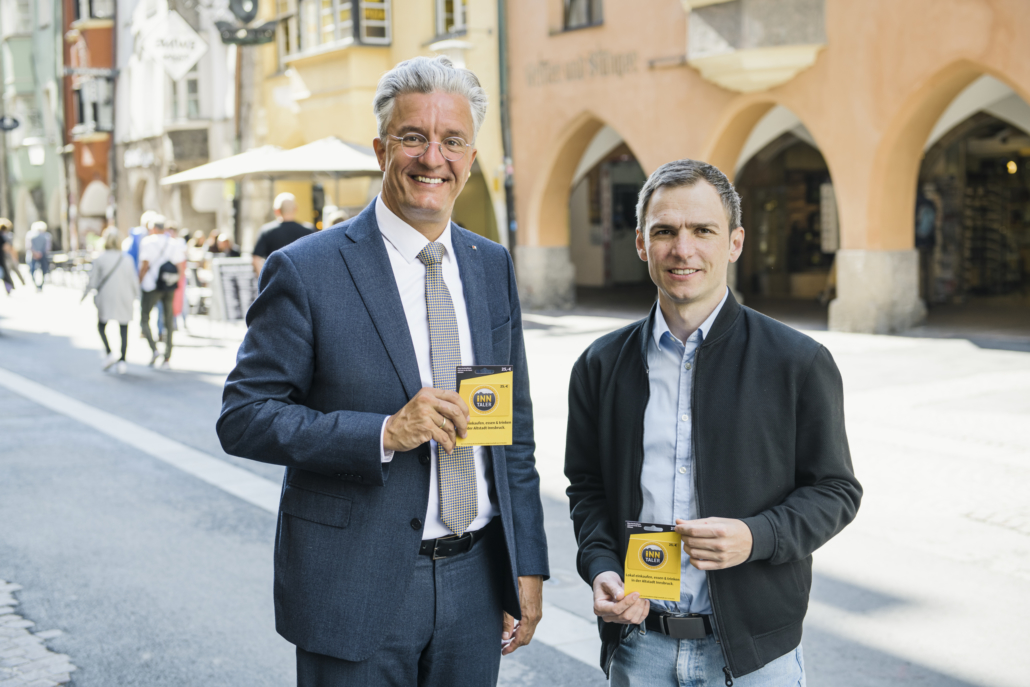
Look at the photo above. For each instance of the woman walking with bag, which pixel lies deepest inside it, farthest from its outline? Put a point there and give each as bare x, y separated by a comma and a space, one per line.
114, 278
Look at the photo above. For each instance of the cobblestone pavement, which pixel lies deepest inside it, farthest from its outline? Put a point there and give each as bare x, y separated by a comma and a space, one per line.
24, 659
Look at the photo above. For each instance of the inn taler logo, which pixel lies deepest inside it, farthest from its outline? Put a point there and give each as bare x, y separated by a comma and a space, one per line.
652, 555
484, 399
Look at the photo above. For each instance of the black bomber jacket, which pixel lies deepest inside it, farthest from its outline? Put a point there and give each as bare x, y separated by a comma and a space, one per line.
769, 448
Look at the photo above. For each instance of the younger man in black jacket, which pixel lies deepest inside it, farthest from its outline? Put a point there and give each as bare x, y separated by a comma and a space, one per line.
728, 423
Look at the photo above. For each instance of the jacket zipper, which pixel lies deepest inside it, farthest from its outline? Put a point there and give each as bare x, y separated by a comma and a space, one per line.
697, 498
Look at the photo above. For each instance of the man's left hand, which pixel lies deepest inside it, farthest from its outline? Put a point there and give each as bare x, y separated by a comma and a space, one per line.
531, 593
715, 543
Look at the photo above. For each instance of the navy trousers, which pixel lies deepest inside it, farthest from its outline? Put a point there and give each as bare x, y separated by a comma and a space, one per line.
447, 633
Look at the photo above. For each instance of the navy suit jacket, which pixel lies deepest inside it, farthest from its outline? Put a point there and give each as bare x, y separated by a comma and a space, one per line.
327, 357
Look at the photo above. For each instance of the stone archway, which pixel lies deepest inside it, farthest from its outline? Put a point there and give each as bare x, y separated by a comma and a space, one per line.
878, 273
789, 208
554, 255
546, 274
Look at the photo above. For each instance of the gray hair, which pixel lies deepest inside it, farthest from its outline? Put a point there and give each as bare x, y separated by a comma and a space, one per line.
112, 241
687, 173
428, 75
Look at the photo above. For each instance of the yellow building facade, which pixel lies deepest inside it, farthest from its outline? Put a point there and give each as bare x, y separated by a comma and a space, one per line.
319, 77
885, 140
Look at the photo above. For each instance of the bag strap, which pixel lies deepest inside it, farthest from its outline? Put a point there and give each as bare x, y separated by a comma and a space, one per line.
113, 270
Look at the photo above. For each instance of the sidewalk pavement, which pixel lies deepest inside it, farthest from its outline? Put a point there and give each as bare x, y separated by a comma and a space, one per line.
24, 659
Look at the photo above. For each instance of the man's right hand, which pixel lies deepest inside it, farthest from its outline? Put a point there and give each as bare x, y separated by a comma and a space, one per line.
421, 418
612, 604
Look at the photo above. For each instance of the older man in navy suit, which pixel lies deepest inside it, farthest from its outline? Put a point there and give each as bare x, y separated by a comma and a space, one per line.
401, 558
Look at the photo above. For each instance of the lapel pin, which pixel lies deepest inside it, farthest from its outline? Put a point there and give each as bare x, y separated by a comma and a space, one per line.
474, 248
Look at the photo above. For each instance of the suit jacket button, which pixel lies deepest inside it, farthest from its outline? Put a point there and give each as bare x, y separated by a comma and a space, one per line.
424, 459
416, 524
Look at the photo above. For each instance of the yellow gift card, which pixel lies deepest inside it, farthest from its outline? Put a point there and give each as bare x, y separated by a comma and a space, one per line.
653, 561
487, 391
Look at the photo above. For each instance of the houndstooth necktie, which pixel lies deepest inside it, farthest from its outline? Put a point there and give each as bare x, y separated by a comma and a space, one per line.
456, 473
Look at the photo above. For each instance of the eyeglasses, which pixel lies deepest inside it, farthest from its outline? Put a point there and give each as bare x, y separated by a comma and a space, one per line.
416, 145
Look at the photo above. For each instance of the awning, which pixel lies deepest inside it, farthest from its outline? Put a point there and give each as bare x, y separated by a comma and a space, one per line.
328, 156
226, 168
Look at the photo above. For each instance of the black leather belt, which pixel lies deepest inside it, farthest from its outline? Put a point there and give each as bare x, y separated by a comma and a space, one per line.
444, 547
687, 627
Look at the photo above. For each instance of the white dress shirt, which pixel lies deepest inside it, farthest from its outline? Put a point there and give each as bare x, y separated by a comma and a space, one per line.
403, 244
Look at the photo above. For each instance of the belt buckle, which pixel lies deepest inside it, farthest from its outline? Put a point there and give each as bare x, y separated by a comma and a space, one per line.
689, 627
436, 543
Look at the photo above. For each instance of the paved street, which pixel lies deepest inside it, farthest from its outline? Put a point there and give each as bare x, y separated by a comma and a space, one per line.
127, 533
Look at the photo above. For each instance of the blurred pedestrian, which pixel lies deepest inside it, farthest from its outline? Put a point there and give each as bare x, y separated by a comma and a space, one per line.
281, 232
8, 255
136, 236
5, 273
211, 243
39, 243
333, 215
162, 265
226, 248
114, 279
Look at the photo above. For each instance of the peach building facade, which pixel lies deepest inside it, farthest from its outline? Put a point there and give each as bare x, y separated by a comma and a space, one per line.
838, 120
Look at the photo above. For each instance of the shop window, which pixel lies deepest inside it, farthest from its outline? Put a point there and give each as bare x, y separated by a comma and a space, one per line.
94, 9
582, 13
451, 17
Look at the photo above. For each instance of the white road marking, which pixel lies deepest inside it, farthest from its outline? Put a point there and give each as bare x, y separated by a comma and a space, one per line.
568, 633
241, 483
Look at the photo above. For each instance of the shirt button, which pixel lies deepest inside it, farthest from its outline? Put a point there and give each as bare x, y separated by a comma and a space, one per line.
683, 469
686, 366
684, 417
416, 524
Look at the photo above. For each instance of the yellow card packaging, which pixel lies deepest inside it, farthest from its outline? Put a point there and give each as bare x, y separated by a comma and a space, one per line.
487, 391
653, 561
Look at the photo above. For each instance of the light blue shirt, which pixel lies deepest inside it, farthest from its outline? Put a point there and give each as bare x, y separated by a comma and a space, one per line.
668, 450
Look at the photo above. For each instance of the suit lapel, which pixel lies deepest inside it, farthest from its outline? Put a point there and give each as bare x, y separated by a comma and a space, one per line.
473, 282
369, 265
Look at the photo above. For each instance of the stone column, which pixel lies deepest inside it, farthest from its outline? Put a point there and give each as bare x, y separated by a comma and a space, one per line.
546, 277
877, 292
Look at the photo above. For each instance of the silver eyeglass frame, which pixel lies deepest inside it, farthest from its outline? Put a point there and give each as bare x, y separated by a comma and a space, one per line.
425, 149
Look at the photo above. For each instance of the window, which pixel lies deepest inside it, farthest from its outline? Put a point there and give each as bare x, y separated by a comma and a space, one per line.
305, 26
193, 94
581, 13
451, 16
94, 107
94, 9
286, 30
375, 21
185, 96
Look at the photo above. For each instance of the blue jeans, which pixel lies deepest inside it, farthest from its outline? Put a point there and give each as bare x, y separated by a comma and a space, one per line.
43, 265
655, 660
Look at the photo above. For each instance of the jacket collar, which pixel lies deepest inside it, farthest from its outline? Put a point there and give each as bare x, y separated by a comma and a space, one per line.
723, 322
